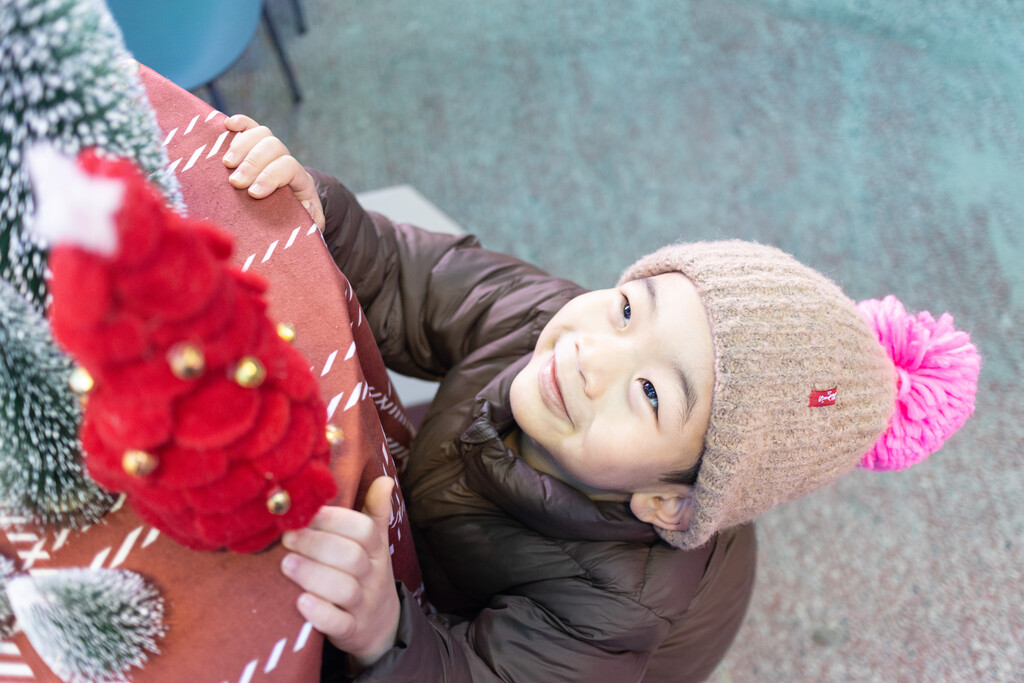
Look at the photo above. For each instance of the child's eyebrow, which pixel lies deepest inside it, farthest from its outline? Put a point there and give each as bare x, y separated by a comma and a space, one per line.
689, 395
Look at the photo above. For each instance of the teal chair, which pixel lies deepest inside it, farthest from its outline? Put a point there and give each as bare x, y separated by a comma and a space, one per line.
192, 42
300, 19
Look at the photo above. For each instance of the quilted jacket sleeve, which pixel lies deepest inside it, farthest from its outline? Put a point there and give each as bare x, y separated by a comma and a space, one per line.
514, 639
430, 298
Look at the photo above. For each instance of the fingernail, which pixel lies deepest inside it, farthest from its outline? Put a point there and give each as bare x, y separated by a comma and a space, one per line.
289, 564
288, 539
230, 158
236, 176
256, 188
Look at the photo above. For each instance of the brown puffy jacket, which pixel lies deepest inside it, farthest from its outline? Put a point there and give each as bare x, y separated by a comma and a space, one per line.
533, 580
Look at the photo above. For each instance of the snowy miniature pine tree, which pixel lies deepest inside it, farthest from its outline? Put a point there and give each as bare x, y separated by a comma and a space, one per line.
6, 615
88, 624
42, 479
66, 78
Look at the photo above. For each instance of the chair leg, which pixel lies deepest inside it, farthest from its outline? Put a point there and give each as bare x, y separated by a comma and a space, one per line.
218, 101
279, 49
300, 19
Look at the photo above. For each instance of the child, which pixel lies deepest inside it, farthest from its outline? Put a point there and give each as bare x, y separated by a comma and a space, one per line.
582, 485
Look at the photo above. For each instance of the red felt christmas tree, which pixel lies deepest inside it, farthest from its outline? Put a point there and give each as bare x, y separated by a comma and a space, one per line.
199, 408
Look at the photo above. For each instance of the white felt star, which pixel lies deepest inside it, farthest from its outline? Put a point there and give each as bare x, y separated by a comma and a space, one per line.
72, 207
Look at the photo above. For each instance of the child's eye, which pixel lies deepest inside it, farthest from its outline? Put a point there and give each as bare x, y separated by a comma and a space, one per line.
650, 393
626, 312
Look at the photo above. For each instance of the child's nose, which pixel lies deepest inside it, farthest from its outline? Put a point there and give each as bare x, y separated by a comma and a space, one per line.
601, 360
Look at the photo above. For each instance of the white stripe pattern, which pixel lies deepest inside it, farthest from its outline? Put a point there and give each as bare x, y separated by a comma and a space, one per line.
300, 642
386, 405
192, 160
29, 557
275, 656
11, 671
250, 669
333, 405
153, 534
270, 250
8, 521
126, 547
217, 144
329, 363
354, 398
62, 538
101, 557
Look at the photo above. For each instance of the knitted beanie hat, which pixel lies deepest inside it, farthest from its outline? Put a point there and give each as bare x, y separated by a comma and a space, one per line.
804, 386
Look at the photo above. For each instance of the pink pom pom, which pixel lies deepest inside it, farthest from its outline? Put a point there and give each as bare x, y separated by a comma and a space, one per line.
937, 377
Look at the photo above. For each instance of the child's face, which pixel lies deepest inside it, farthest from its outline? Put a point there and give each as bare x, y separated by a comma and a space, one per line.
604, 396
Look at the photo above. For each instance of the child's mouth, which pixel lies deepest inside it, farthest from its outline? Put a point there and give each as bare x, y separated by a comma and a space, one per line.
550, 392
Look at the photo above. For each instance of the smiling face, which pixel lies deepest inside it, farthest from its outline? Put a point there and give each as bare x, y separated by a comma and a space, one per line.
618, 391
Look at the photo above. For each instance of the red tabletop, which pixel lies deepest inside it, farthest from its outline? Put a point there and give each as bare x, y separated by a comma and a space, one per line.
232, 617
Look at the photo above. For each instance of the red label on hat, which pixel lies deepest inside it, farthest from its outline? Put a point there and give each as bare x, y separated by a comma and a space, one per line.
823, 398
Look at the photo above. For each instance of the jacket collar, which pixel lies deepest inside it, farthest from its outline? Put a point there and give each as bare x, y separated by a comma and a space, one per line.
539, 501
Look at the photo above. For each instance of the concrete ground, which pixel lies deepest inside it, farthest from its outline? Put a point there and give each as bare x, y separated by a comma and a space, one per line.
879, 142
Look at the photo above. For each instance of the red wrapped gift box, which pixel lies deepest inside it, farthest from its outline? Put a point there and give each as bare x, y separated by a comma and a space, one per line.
232, 617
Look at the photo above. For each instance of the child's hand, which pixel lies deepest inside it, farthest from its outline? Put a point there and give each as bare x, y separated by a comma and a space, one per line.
343, 562
263, 164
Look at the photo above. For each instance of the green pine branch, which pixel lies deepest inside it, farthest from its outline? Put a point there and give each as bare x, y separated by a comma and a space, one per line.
42, 476
89, 624
65, 78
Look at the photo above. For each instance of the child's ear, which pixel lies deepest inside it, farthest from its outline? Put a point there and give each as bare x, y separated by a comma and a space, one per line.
669, 509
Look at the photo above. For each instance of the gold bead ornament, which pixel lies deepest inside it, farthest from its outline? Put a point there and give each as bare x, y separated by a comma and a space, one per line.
286, 331
279, 502
335, 435
139, 463
186, 360
249, 372
81, 381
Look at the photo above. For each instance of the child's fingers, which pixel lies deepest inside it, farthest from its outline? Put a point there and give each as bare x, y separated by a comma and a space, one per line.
263, 164
243, 143
377, 507
330, 549
315, 208
367, 528
283, 171
265, 151
336, 587
344, 522
278, 173
358, 612
378, 502
325, 617
239, 122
